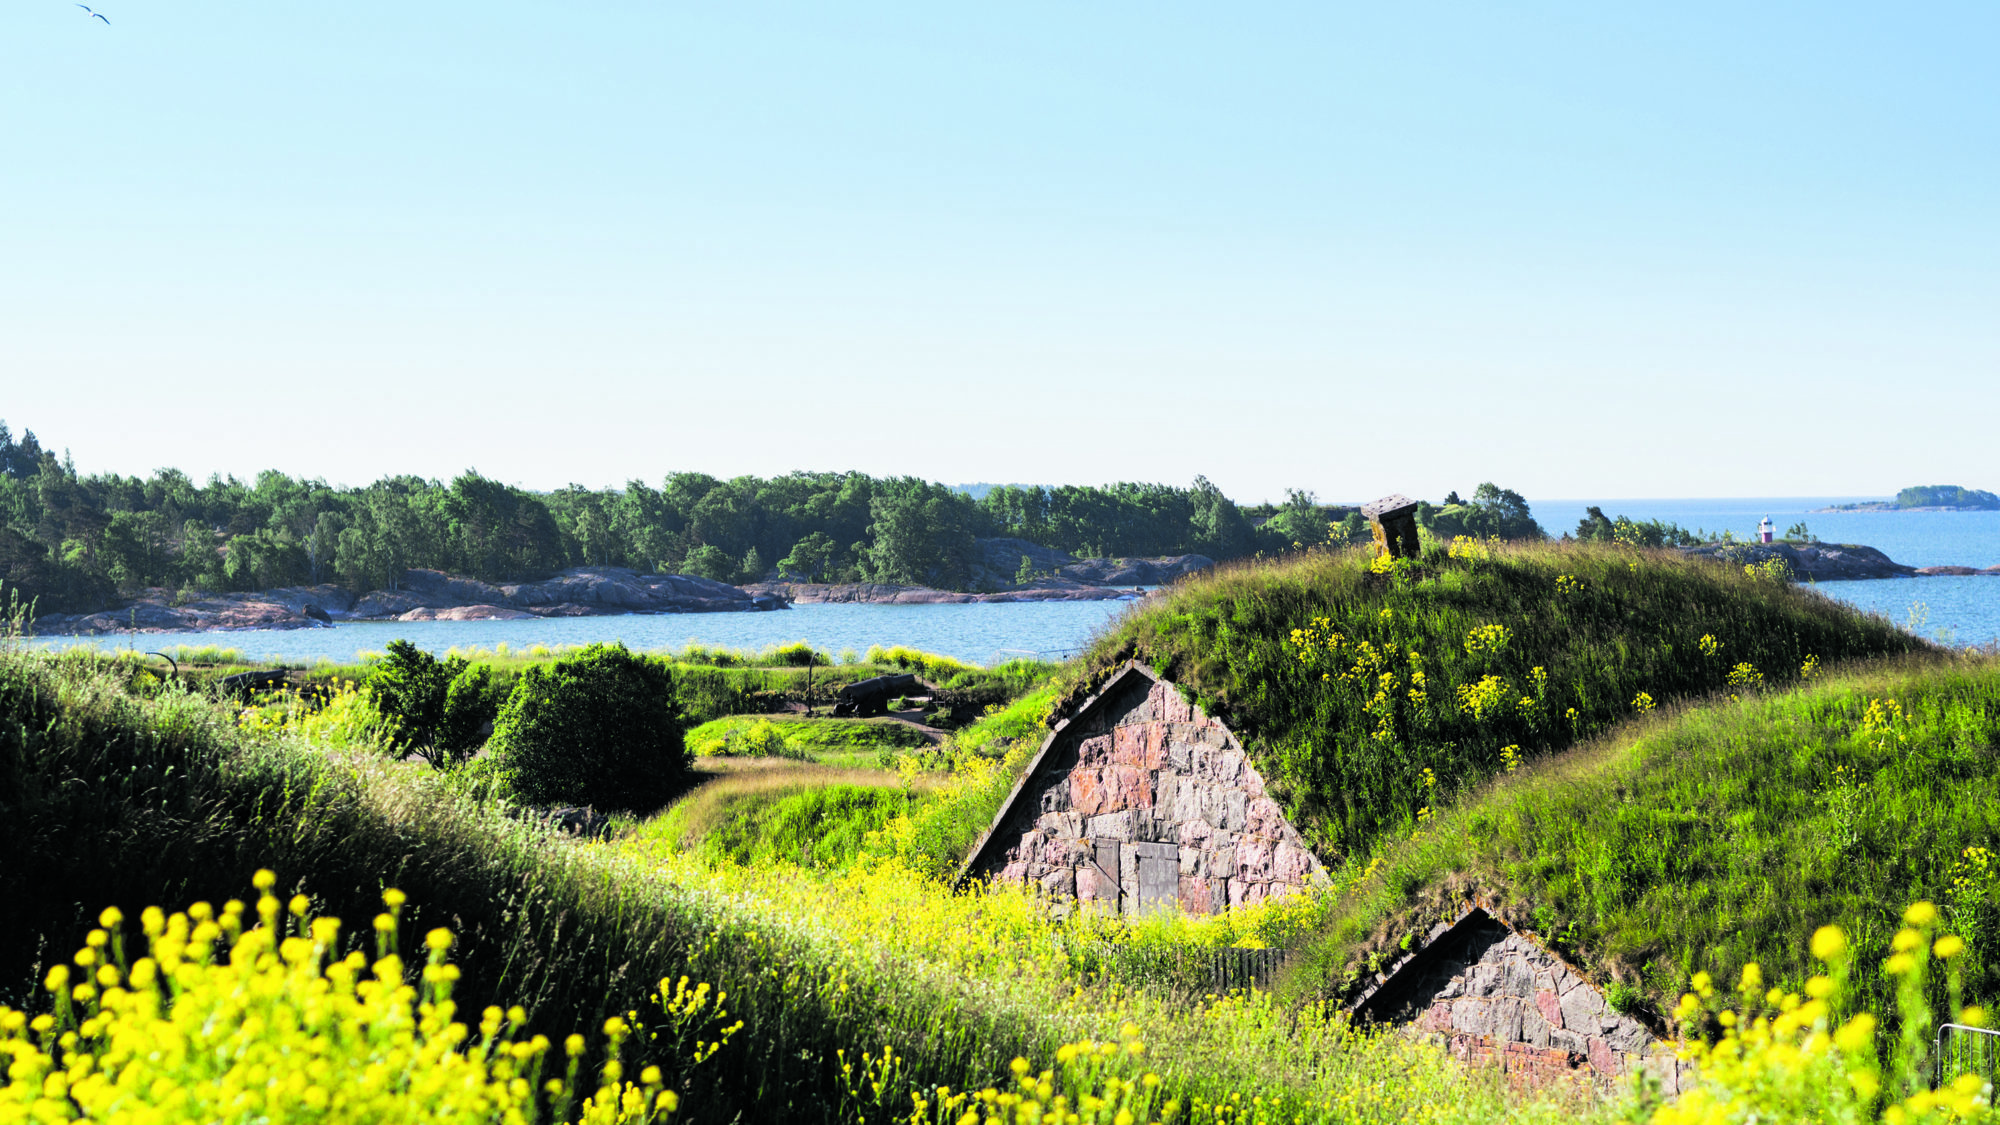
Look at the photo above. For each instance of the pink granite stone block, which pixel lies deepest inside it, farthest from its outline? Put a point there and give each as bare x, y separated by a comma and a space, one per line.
1094, 751
1088, 794
1253, 857
1194, 895
1134, 787
1128, 745
1291, 863
1550, 1006
1264, 818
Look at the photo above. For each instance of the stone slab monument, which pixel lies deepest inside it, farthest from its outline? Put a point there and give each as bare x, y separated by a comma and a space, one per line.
1394, 519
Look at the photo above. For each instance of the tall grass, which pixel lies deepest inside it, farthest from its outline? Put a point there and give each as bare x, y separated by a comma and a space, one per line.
1368, 691
1715, 836
111, 798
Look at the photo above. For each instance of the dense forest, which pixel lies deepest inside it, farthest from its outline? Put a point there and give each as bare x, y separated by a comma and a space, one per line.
76, 542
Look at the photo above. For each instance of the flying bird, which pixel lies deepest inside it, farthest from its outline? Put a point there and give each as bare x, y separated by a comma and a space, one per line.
94, 15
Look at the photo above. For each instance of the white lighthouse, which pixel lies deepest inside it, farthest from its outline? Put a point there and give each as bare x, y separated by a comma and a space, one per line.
1764, 530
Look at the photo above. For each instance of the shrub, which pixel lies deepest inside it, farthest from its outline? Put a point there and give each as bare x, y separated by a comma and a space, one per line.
600, 727
760, 739
471, 701
409, 687
800, 654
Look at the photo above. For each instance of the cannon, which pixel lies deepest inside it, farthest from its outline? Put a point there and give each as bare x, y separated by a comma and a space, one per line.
243, 684
864, 698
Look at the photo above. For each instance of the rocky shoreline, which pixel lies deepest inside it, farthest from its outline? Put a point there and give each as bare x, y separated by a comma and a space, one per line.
430, 595
1827, 562
422, 595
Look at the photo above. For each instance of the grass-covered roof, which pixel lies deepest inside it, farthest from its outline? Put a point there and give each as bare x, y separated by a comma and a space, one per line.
1369, 692
1711, 836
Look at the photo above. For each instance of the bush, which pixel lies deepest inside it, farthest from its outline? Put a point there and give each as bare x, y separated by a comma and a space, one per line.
409, 687
600, 727
800, 654
471, 701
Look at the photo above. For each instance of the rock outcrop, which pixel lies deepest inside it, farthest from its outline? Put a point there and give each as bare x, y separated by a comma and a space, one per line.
1817, 562
874, 593
422, 595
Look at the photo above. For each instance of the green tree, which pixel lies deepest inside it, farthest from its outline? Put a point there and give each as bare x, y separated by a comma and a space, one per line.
1494, 511
811, 558
409, 687
710, 561
600, 727
922, 535
472, 702
1300, 521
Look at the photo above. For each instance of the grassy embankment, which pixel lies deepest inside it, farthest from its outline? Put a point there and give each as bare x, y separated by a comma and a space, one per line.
1717, 835
1367, 693
117, 797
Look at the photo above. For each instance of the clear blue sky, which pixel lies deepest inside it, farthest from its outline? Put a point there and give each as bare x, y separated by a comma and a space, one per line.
1594, 249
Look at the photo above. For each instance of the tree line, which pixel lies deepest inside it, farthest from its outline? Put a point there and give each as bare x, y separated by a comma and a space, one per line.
75, 542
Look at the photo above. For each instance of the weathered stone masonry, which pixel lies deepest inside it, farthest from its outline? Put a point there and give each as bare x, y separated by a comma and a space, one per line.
1139, 801
1494, 995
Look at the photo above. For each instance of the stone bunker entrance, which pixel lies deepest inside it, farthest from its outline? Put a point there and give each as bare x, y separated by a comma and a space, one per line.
1495, 995
1138, 801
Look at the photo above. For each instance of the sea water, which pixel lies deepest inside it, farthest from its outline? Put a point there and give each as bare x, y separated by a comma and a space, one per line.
1950, 610
975, 632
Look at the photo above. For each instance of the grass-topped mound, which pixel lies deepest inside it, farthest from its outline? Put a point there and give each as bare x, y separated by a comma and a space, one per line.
855, 995
803, 814
1723, 835
845, 741
1369, 690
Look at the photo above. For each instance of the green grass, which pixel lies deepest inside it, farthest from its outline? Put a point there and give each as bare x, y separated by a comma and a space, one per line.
808, 815
1723, 834
117, 797
1364, 696
850, 742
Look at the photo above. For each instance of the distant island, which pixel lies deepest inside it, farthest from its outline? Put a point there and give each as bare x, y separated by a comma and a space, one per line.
1928, 498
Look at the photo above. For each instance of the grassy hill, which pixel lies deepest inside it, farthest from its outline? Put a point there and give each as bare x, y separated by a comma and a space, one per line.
1715, 835
1369, 691
118, 790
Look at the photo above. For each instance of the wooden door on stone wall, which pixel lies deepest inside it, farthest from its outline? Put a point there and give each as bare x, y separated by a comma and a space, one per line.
1105, 872
1159, 877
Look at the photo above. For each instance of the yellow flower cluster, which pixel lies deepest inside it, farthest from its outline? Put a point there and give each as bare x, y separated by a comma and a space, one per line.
1318, 636
1510, 758
1745, 675
1883, 720
1489, 640
1092, 1083
1709, 645
281, 1030
1471, 549
1489, 695
1568, 585
1781, 1057
1809, 668
1643, 702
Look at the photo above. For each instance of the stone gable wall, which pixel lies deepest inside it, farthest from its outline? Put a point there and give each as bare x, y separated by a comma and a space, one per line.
1496, 996
1144, 802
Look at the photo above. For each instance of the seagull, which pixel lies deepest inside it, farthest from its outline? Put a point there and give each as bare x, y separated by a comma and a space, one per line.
94, 15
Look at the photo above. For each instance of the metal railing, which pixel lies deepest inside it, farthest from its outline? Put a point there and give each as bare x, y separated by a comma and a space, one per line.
1962, 1049
1190, 970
